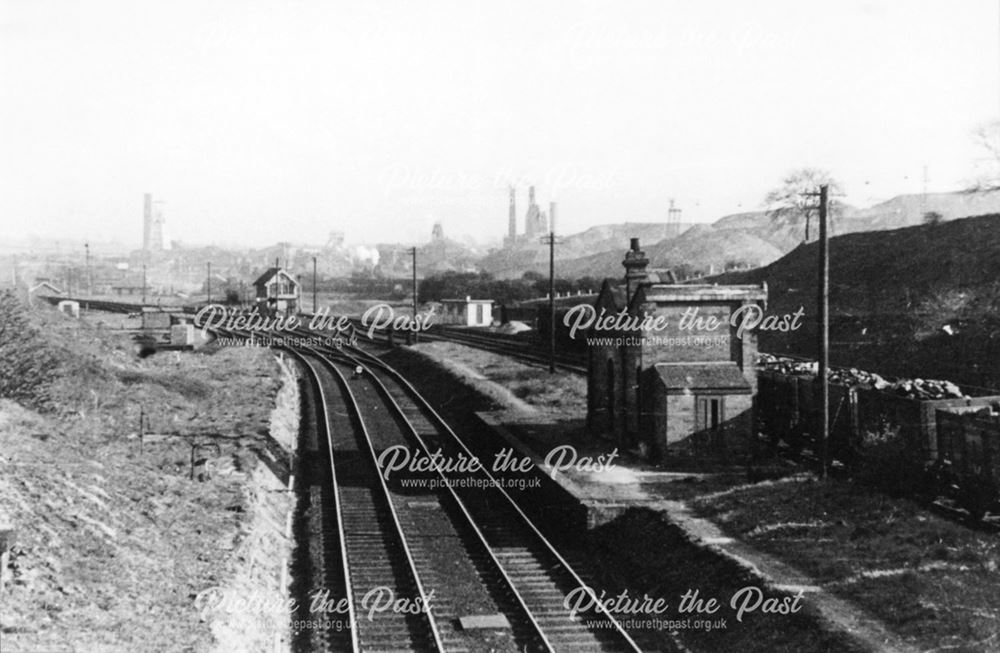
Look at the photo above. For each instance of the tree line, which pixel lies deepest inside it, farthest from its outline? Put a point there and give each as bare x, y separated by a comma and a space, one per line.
482, 285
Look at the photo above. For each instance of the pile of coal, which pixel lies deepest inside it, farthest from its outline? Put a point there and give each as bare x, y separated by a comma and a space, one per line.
851, 376
926, 389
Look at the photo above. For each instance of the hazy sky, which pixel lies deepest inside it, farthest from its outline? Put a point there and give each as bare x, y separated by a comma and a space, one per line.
264, 121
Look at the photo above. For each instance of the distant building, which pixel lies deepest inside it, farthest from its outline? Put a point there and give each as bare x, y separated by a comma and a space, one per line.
437, 232
277, 292
467, 312
152, 225
536, 223
674, 389
511, 219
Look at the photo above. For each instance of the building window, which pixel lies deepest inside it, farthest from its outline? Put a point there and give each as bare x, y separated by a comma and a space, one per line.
709, 412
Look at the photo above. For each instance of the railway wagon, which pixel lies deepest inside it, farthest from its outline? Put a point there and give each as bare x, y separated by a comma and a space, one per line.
879, 410
564, 342
968, 459
788, 411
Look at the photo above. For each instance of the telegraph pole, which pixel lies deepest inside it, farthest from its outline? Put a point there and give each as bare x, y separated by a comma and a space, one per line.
314, 285
824, 332
413, 253
209, 287
551, 241
90, 278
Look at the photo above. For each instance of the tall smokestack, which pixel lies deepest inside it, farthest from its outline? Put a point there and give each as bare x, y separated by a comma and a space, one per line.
512, 217
552, 217
147, 220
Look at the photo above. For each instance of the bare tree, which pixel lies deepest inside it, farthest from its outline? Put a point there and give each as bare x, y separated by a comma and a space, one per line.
794, 200
987, 138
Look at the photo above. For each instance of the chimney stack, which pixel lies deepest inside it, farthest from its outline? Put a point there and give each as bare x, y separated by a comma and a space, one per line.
512, 217
635, 269
147, 221
552, 217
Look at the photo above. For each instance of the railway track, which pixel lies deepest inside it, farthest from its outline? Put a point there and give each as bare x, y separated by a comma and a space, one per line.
463, 546
529, 352
373, 547
531, 568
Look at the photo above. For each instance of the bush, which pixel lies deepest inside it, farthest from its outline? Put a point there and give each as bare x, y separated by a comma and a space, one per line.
27, 363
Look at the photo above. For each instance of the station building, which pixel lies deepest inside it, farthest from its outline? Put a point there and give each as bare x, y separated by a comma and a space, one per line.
467, 312
685, 385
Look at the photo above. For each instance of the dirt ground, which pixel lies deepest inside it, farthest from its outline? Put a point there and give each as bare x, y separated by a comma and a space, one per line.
517, 386
115, 536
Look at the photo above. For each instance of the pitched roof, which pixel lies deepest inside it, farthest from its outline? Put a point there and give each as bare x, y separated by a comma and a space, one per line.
270, 273
720, 375
611, 296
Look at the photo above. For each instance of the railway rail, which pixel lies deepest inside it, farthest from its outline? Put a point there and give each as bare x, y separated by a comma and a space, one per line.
390, 536
526, 351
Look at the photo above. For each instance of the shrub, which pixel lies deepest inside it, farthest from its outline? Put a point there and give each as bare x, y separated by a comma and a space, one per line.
27, 363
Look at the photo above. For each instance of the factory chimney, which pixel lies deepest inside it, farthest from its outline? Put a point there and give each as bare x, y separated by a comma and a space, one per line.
147, 221
512, 218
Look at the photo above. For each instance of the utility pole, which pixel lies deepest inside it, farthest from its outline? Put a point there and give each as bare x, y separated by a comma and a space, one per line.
209, 282
413, 252
824, 332
90, 278
314, 285
551, 241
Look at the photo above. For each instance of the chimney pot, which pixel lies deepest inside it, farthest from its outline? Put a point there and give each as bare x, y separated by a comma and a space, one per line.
635, 245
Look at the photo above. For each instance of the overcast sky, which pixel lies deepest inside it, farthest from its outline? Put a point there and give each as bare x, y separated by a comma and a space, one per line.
264, 121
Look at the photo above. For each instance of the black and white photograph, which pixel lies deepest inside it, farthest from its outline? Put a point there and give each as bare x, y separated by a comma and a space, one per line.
499, 327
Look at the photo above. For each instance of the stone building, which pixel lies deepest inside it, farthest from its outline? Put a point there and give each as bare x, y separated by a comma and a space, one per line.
671, 374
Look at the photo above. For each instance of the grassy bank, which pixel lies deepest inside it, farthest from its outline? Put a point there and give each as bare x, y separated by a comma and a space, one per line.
114, 539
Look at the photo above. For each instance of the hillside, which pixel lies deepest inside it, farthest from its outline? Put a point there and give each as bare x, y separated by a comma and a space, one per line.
900, 211
512, 263
752, 237
701, 247
891, 295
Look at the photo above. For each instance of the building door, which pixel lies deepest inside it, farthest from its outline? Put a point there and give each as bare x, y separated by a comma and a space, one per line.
708, 413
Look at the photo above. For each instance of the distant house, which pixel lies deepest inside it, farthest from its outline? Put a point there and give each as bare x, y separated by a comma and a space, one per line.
44, 289
467, 312
277, 291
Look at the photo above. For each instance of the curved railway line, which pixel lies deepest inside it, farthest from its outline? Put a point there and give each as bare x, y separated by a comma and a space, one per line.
532, 353
447, 539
